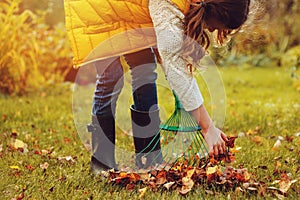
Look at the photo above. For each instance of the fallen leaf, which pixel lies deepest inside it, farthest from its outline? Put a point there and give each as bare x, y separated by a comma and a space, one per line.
20, 196
66, 140
169, 185
29, 167
44, 166
184, 192
235, 150
142, 192
284, 183
257, 139
1, 148
14, 134
247, 176
134, 177
190, 172
211, 170
44, 152
187, 183
273, 188
130, 186
161, 177
276, 145
241, 134
238, 191
19, 145
209, 192
252, 188
211, 173
289, 138
67, 159
4, 117
250, 132
15, 167
279, 196
145, 176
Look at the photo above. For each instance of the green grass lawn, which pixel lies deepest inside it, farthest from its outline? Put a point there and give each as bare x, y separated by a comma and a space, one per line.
261, 105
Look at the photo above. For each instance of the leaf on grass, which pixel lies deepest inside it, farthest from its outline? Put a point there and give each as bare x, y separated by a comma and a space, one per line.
66, 159
134, 177
209, 192
4, 117
142, 192
289, 138
187, 183
250, 132
252, 188
1, 148
211, 173
235, 150
276, 145
29, 167
169, 185
130, 186
44, 152
161, 177
211, 170
190, 172
144, 176
44, 166
19, 145
20, 196
247, 176
15, 167
284, 183
279, 196
184, 192
257, 139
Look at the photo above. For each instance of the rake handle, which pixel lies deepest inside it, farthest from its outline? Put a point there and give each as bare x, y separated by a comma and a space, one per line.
178, 104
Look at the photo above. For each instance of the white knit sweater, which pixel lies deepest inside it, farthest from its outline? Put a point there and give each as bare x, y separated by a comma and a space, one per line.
168, 24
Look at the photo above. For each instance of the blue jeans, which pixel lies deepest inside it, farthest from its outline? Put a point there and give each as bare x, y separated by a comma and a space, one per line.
109, 84
110, 81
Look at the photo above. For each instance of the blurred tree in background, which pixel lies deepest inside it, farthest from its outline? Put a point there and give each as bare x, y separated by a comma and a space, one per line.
35, 52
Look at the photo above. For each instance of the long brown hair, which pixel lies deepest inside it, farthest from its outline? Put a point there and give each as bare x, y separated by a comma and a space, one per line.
231, 14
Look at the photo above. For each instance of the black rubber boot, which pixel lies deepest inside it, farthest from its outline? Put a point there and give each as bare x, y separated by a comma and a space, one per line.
103, 143
145, 129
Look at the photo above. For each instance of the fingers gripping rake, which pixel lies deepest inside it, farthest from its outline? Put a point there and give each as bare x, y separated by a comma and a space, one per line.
181, 139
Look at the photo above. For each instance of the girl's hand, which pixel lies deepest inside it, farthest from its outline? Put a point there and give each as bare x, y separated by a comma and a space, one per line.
215, 140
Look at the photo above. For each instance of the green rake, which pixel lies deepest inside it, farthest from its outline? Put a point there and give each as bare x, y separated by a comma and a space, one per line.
181, 140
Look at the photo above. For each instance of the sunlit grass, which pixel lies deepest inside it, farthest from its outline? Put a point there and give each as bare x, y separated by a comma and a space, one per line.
261, 102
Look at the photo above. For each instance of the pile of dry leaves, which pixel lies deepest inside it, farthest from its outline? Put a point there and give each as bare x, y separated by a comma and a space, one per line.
184, 178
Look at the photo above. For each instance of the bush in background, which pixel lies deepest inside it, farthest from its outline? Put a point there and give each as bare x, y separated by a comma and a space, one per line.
272, 30
32, 53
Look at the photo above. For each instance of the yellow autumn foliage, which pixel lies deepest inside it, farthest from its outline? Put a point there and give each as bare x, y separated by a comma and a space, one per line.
32, 54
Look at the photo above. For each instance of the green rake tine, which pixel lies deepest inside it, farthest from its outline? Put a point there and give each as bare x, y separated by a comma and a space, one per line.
192, 149
203, 142
202, 145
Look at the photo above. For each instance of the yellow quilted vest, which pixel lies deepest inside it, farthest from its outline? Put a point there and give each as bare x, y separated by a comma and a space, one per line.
98, 29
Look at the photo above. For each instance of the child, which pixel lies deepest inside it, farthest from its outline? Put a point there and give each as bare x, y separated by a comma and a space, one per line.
178, 24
